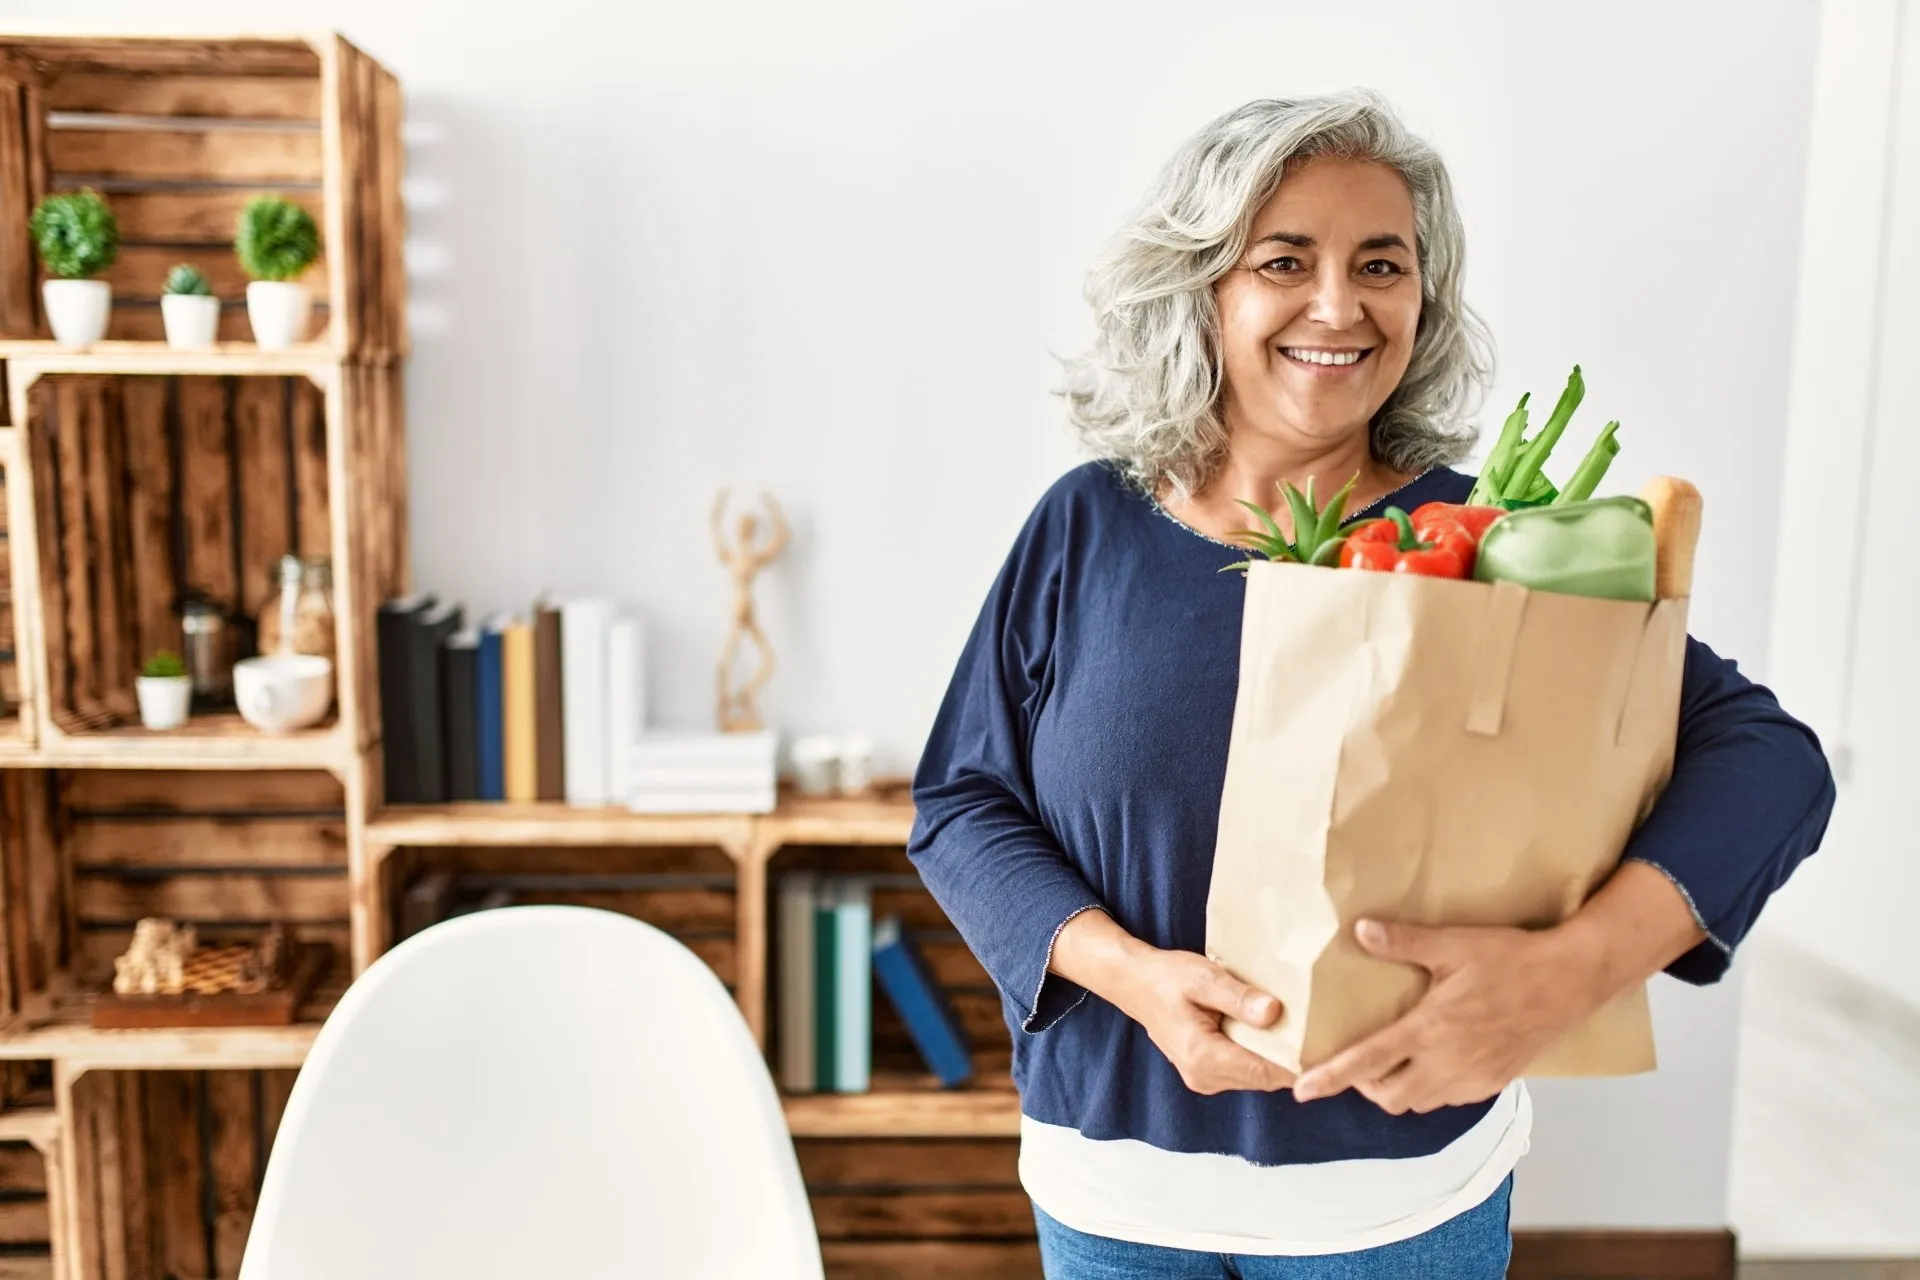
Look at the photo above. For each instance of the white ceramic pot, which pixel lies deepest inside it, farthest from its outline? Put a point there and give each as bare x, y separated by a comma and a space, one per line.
163, 700
280, 692
77, 310
279, 311
192, 319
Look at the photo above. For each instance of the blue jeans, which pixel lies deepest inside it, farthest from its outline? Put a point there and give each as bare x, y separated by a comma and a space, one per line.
1471, 1246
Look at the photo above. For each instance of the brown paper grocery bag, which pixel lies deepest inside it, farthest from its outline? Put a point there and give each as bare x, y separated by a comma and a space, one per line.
1435, 751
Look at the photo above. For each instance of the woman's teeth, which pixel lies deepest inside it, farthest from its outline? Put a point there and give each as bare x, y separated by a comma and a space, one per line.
1322, 357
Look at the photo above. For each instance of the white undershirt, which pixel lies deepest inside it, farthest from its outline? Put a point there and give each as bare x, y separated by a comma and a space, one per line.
1124, 1189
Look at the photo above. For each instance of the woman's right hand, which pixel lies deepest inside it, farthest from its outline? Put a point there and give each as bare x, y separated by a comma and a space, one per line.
1178, 997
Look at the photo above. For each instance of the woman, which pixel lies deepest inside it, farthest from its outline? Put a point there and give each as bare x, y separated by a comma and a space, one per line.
1286, 303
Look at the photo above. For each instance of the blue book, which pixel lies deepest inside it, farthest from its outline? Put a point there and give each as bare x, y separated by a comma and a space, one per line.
853, 983
910, 989
493, 749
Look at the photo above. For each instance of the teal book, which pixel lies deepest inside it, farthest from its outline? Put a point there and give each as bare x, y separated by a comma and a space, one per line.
853, 983
826, 1020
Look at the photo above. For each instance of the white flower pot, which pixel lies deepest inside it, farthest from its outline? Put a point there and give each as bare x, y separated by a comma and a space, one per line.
163, 700
77, 310
278, 310
192, 319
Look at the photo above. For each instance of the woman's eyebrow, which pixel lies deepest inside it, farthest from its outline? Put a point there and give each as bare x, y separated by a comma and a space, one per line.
1298, 241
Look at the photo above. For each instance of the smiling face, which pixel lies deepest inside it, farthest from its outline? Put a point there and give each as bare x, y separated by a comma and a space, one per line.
1317, 322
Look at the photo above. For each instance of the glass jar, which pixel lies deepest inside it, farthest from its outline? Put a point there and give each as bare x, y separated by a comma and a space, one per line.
298, 618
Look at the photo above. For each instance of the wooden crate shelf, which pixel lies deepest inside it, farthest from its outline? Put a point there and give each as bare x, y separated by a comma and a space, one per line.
483, 824
177, 134
156, 359
906, 1107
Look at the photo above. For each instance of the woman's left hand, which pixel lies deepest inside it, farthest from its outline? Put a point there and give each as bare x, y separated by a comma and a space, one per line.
1497, 997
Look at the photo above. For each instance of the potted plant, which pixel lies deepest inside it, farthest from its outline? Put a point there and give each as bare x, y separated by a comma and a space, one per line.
164, 691
189, 309
78, 238
276, 242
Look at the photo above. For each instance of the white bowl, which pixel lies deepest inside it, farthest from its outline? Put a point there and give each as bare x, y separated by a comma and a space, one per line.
280, 692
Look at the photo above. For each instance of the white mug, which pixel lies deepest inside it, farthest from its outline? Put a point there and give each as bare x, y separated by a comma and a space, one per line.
280, 692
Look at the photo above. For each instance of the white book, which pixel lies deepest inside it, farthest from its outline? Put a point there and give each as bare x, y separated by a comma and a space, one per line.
699, 777
684, 746
626, 702
796, 982
853, 987
583, 700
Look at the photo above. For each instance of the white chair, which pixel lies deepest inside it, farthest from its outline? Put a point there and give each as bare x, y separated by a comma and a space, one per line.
534, 1092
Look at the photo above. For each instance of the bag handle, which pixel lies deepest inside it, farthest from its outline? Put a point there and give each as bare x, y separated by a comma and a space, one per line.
1649, 692
1493, 665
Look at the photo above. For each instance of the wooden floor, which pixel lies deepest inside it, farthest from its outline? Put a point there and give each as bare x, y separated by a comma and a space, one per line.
1826, 1125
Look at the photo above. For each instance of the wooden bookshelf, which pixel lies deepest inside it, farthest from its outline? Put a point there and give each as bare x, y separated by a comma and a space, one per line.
134, 472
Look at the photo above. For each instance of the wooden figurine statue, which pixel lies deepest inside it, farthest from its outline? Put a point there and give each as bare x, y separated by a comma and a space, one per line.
743, 559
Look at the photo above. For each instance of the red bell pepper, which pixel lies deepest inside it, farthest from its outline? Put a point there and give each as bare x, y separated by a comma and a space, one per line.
1474, 519
1439, 546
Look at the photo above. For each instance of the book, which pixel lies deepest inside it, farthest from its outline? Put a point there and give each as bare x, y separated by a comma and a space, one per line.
626, 703
826, 987
393, 626
701, 746
489, 706
853, 986
517, 710
904, 977
460, 713
549, 717
794, 923
584, 624
429, 631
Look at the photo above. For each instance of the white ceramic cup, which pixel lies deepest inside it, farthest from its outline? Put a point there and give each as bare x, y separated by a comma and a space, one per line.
853, 764
278, 311
280, 692
77, 310
192, 319
814, 765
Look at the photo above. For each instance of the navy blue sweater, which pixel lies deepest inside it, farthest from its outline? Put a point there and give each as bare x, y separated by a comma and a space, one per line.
1077, 760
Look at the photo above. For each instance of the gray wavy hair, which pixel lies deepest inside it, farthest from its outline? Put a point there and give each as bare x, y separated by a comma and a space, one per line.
1146, 395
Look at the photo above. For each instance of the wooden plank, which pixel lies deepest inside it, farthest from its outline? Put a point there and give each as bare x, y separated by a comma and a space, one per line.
901, 1113
307, 432
205, 486
16, 920
23, 1222
977, 1010
171, 55
69, 526
992, 1213
751, 927
233, 1115
390, 244
565, 860
109, 546
262, 472
932, 1260
18, 280
204, 216
275, 1088
148, 443
215, 96
135, 1177
219, 155
1622, 1255
305, 791
915, 907
892, 1164
49, 904
296, 898
23, 1170
139, 273
26, 1267
102, 1112
96, 844
177, 1169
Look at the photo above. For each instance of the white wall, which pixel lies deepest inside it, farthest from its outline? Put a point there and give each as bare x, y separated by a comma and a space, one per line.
828, 248
1844, 617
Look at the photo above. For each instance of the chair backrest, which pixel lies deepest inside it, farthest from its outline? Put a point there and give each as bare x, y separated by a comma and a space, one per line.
533, 1092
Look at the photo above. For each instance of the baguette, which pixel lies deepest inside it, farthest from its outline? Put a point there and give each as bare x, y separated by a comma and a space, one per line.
1676, 530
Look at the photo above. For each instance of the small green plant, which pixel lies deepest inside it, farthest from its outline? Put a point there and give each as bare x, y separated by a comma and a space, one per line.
76, 234
186, 279
164, 663
277, 239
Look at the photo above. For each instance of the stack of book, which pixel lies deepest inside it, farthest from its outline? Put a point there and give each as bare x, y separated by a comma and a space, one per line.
545, 706
830, 953
673, 771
